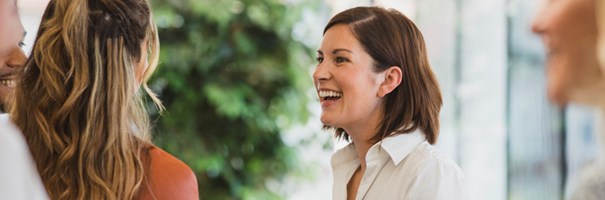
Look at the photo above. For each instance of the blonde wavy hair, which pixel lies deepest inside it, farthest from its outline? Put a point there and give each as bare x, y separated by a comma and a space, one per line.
77, 99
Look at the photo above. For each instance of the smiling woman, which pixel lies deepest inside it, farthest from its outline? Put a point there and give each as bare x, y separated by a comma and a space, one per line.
377, 88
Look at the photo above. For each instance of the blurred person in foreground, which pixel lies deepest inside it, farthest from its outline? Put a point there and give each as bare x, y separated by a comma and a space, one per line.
79, 104
377, 89
19, 179
573, 32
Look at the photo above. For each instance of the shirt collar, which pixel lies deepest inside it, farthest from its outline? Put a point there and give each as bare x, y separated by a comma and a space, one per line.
397, 147
345, 155
401, 145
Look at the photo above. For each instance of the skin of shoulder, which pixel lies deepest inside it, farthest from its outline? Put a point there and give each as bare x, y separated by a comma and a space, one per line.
169, 178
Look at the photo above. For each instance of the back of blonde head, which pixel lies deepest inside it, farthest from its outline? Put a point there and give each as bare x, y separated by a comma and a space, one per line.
77, 100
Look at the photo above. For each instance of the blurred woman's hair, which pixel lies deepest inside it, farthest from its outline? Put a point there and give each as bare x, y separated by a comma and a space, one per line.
77, 98
393, 40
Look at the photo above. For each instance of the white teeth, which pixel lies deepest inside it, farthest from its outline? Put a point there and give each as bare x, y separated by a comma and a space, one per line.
8, 83
324, 94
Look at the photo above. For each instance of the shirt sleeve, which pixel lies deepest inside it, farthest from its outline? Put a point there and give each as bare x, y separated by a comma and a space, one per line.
438, 179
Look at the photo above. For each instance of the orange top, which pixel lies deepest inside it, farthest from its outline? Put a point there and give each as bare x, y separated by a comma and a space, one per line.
168, 178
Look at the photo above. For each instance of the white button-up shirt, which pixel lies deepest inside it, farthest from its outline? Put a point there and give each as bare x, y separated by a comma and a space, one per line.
404, 166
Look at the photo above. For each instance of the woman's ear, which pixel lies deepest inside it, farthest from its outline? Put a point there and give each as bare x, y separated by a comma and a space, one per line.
392, 79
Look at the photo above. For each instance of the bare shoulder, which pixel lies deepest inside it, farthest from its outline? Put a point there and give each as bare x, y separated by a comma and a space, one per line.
168, 178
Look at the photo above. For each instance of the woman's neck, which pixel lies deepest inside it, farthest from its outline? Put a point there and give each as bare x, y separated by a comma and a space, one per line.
362, 137
362, 146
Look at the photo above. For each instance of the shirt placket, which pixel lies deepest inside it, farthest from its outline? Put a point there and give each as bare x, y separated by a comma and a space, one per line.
345, 173
374, 163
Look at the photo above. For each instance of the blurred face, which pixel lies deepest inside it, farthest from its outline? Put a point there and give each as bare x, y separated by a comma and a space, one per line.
345, 82
569, 32
11, 37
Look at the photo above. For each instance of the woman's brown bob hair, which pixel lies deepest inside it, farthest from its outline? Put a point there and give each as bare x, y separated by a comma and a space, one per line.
393, 40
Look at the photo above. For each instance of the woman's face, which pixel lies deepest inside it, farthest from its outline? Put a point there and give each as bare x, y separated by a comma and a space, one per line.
11, 37
569, 32
345, 81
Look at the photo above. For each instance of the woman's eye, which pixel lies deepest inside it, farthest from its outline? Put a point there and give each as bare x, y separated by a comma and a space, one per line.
341, 60
320, 59
21, 44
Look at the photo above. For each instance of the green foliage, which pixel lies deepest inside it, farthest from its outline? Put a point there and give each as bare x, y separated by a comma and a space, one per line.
229, 70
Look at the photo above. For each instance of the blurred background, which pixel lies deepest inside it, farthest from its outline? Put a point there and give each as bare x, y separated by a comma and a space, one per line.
235, 77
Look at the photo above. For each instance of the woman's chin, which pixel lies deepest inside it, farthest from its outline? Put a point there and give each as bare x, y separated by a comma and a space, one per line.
557, 98
326, 121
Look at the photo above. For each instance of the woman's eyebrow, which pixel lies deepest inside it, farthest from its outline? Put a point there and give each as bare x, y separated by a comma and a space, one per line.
335, 51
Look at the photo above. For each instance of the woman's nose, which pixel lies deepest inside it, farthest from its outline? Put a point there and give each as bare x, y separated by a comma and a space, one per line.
320, 73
